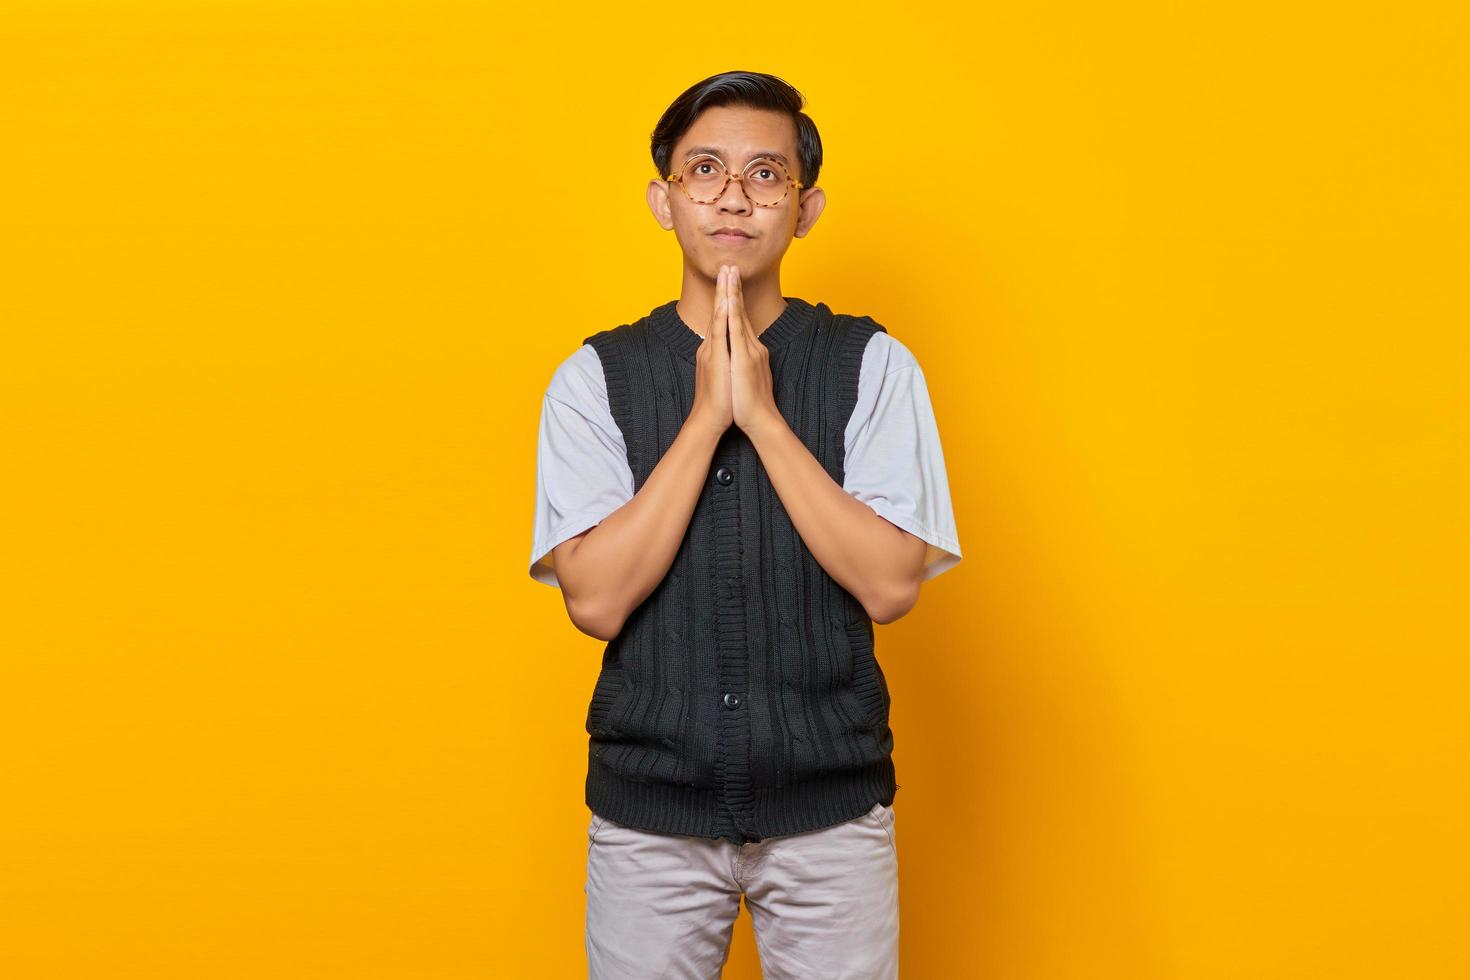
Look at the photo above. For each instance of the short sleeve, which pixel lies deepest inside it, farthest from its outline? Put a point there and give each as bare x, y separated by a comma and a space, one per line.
894, 462
582, 471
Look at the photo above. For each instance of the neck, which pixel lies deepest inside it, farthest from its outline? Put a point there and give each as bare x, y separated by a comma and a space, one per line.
761, 296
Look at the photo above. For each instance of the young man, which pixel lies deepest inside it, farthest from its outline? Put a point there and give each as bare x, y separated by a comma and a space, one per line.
731, 491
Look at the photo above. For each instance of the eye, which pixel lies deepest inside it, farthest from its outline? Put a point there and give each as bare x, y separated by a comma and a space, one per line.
765, 172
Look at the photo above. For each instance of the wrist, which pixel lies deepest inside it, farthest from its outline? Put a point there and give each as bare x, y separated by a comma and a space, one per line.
705, 427
765, 426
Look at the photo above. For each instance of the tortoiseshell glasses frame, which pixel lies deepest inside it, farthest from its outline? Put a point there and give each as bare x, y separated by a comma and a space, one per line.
742, 177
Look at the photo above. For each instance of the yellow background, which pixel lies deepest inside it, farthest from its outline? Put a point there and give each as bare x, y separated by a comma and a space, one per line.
283, 285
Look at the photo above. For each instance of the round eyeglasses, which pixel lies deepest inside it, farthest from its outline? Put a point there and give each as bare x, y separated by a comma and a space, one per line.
764, 181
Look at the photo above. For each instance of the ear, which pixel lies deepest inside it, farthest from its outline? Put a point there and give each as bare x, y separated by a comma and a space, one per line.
813, 200
658, 203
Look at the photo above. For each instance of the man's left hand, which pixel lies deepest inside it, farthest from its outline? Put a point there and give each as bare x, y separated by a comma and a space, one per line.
752, 394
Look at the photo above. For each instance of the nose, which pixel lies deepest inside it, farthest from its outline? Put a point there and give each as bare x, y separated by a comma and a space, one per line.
741, 204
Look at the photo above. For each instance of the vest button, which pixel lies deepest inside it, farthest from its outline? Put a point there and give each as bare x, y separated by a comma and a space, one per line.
732, 700
725, 475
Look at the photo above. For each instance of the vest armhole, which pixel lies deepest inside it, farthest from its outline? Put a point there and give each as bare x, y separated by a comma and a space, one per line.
607, 344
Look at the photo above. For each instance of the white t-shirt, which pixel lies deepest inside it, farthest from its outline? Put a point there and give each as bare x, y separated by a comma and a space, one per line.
893, 462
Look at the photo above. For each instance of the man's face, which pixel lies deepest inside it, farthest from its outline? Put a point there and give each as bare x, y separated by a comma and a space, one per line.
737, 135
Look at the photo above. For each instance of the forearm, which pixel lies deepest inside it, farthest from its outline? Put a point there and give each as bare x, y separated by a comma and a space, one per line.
868, 556
624, 558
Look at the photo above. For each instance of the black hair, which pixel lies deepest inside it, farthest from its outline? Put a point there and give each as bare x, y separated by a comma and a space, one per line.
752, 89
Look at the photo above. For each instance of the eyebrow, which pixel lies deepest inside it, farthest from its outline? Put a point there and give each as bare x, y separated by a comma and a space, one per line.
757, 155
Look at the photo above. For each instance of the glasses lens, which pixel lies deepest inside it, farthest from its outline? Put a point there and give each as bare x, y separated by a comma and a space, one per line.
704, 178
765, 181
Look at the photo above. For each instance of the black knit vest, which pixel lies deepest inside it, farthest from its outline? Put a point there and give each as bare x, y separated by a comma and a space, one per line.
742, 698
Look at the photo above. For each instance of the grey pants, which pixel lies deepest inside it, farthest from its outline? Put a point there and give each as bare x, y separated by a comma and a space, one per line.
824, 903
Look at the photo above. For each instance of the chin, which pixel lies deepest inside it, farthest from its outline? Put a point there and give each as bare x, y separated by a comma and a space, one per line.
747, 266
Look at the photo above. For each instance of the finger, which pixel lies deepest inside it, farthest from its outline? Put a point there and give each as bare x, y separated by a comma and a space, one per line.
739, 324
734, 287
722, 305
714, 316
